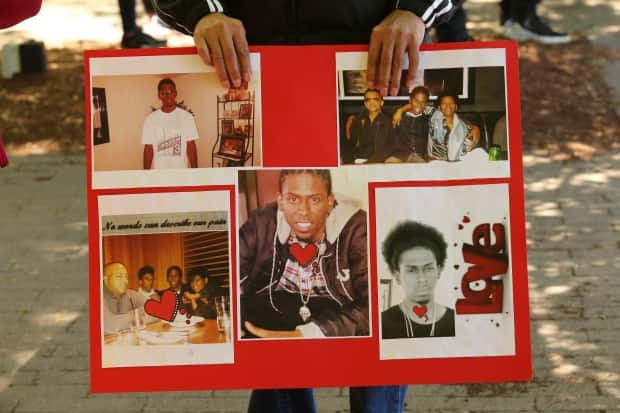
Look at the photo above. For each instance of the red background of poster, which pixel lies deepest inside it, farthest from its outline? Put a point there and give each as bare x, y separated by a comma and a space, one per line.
308, 126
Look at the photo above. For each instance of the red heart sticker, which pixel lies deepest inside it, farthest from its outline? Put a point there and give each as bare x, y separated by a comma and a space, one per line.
420, 310
460, 226
303, 255
166, 308
466, 219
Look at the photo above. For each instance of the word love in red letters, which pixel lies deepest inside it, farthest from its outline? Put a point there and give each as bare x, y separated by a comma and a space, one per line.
482, 285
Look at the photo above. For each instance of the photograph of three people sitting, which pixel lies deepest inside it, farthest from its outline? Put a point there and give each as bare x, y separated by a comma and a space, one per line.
444, 119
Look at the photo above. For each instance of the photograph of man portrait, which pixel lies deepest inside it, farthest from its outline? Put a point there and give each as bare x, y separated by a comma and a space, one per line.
166, 114
416, 256
427, 269
302, 254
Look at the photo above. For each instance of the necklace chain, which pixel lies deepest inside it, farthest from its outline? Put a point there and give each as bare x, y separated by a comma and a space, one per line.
409, 321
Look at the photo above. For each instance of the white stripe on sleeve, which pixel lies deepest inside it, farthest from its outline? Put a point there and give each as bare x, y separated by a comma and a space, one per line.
172, 18
439, 13
430, 10
212, 7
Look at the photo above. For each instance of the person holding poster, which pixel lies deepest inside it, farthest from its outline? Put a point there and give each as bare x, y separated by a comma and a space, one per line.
416, 254
303, 262
392, 29
169, 133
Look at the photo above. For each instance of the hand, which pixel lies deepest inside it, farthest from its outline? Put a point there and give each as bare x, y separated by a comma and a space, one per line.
221, 43
348, 125
263, 333
398, 114
475, 136
399, 33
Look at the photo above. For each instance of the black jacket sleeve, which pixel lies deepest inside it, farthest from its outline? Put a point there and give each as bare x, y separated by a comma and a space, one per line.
183, 15
432, 12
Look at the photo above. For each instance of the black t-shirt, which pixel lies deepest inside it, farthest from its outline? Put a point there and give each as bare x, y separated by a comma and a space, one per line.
394, 325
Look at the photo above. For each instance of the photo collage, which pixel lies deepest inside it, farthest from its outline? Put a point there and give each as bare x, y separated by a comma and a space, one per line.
205, 253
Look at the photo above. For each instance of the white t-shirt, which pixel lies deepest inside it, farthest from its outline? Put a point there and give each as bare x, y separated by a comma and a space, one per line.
169, 134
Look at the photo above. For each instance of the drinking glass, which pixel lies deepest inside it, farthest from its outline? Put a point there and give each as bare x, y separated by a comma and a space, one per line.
222, 308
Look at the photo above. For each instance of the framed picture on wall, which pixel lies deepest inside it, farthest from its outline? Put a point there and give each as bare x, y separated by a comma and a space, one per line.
385, 293
353, 84
101, 130
245, 110
446, 81
231, 146
228, 126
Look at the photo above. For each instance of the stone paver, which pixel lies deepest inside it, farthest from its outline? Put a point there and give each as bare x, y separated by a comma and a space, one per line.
573, 260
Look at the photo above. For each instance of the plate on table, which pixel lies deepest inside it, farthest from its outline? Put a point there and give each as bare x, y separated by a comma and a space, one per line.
180, 321
168, 337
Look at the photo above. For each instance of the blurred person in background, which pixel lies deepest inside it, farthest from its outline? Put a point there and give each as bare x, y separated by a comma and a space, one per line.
133, 36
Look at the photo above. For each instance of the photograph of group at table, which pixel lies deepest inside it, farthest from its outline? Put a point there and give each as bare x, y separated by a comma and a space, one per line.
197, 296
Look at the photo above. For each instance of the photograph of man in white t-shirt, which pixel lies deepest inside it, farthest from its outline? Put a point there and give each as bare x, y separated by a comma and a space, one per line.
169, 133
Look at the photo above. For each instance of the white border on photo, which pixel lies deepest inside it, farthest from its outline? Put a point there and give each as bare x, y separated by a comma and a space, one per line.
145, 65
354, 184
163, 65
116, 355
444, 208
475, 164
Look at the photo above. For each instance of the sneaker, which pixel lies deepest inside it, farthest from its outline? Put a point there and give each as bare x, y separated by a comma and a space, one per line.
533, 28
156, 28
138, 39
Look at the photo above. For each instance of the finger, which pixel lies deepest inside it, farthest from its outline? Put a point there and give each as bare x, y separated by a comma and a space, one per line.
218, 60
230, 56
374, 52
414, 59
243, 53
203, 50
397, 65
385, 65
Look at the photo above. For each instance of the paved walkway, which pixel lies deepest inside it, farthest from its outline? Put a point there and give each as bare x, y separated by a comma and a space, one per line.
573, 247
574, 260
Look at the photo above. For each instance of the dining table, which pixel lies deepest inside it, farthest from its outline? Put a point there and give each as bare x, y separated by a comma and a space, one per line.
201, 332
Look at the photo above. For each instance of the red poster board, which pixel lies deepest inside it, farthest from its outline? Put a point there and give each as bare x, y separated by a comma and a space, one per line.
295, 116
